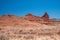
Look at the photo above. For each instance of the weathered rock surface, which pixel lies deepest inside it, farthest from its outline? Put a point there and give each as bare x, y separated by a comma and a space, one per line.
29, 27
10, 19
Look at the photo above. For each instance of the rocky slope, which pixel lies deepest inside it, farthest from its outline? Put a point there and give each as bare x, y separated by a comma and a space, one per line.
29, 27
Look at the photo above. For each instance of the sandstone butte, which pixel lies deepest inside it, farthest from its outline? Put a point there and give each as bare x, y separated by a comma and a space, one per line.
11, 19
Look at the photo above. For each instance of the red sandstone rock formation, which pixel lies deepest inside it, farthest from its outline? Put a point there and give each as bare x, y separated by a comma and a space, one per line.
29, 14
43, 20
32, 18
45, 15
46, 19
11, 19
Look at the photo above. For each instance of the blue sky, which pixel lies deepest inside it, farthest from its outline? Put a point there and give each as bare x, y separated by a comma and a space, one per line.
35, 7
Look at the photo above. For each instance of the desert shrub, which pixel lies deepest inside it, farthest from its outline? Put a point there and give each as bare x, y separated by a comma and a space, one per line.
58, 33
28, 37
4, 36
0, 29
20, 31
